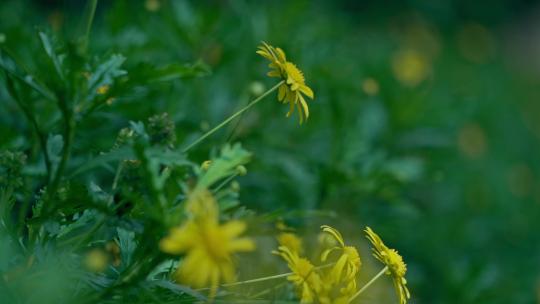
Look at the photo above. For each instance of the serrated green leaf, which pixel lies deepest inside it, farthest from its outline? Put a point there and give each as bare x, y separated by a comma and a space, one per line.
231, 156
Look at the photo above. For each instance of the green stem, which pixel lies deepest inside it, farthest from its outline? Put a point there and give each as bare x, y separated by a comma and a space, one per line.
32, 119
368, 283
69, 134
89, 18
277, 276
226, 121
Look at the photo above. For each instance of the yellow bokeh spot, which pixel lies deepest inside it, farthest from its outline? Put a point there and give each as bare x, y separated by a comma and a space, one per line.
472, 141
370, 86
410, 67
152, 5
96, 260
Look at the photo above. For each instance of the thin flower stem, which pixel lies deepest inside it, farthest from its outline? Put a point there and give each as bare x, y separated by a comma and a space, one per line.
226, 121
89, 18
277, 276
368, 283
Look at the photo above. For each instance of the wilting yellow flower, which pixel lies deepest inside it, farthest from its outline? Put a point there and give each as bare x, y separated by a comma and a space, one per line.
291, 241
348, 263
207, 244
294, 86
304, 275
396, 267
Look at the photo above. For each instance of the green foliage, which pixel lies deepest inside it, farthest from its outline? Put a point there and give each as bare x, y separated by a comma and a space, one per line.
93, 130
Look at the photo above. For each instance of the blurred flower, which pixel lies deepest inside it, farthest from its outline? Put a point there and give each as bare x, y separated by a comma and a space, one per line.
291, 241
476, 43
370, 86
96, 260
396, 267
472, 140
348, 263
294, 87
410, 67
304, 275
256, 88
208, 245
152, 5
336, 292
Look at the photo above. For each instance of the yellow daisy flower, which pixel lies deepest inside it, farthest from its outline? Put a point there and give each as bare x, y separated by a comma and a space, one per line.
396, 267
291, 241
208, 245
348, 263
294, 86
304, 275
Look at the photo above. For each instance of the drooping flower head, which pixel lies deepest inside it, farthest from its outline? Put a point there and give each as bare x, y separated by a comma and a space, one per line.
304, 275
348, 264
208, 245
396, 267
294, 85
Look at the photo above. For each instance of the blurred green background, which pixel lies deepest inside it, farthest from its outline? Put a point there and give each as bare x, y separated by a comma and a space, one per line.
425, 124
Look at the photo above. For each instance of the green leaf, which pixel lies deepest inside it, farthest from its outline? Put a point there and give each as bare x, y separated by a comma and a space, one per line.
161, 162
103, 159
127, 244
55, 143
179, 289
11, 67
105, 73
225, 165
49, 49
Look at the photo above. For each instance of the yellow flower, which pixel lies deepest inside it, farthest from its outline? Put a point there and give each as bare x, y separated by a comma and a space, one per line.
294, 86
304, 275
208, 245
291, 241
396, 267
348, 263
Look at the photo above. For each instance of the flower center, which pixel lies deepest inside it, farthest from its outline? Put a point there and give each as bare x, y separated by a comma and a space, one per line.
395, 261
293, 74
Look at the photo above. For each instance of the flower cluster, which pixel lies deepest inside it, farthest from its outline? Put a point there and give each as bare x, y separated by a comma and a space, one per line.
335, 281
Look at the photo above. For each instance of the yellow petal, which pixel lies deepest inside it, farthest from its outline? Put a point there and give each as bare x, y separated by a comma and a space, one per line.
304, 105
307, 91
282, 92
334, 233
